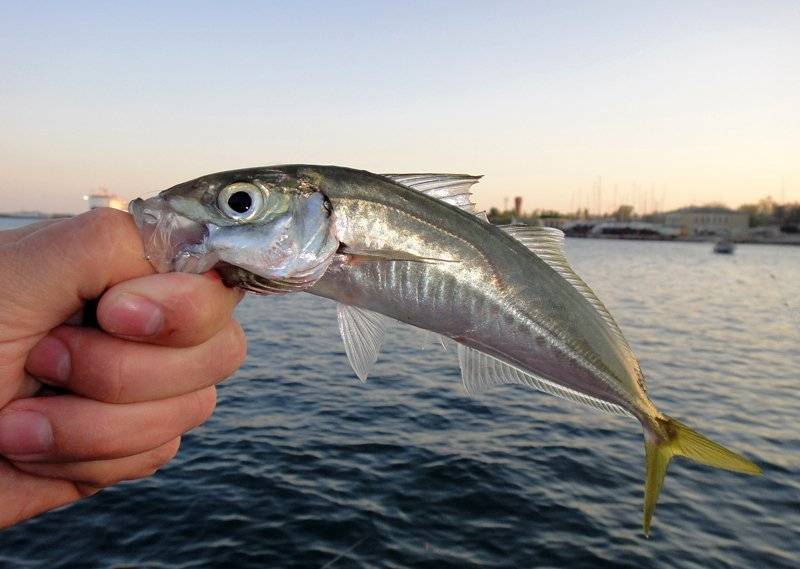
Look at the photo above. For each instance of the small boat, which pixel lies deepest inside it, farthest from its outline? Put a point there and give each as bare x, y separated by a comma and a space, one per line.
724, 246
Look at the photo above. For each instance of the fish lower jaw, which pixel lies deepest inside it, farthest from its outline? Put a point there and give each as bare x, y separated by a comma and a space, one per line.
191, 262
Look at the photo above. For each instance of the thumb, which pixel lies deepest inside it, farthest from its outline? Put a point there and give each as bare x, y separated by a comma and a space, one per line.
50, 273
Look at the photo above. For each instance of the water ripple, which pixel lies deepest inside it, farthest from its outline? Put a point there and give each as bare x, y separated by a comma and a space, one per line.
302, 465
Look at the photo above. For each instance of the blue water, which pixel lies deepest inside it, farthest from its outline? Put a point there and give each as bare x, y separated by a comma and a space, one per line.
15, 222
303, 466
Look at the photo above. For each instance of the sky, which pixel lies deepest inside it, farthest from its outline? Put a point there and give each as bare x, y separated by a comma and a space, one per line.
567, 104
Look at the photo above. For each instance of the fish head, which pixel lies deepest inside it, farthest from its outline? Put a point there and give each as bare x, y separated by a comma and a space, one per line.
253, 225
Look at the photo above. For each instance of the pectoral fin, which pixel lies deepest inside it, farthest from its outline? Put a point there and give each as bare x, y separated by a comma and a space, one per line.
362, 333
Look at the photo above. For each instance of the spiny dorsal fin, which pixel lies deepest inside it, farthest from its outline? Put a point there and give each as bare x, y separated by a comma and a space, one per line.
548, 244
362, 334
480, 371
450, 188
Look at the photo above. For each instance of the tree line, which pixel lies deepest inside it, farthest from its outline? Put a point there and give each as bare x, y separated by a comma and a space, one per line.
765, 212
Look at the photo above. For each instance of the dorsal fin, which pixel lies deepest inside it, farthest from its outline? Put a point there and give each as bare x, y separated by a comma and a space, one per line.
548, 244
545, 240
450, 188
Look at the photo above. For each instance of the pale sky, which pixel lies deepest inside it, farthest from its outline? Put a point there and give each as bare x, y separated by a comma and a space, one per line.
672, 102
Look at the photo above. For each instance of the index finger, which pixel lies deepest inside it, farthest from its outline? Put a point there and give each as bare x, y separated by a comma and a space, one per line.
61, 265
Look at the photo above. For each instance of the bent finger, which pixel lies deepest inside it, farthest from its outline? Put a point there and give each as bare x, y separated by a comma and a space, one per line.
67, 428
27, 495
102, 473
91, 363
174, 309
63, 264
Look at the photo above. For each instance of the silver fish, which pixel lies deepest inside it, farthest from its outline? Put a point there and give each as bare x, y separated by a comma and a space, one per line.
411, 247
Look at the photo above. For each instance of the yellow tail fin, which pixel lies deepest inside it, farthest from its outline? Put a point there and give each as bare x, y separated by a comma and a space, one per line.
680, 440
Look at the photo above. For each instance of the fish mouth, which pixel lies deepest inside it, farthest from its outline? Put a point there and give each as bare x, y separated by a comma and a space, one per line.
172, 242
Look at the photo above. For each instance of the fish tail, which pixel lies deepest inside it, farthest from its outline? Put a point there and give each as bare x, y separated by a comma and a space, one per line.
668, 438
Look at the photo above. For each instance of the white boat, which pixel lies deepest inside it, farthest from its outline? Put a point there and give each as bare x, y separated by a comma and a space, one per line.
102, 198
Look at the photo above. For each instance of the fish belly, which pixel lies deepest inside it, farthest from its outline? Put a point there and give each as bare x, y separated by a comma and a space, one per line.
441, 298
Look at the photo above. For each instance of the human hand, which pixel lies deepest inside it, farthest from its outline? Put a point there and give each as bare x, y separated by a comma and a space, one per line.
128, 390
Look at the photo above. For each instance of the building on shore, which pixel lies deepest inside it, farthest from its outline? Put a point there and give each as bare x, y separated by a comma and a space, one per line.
707, 221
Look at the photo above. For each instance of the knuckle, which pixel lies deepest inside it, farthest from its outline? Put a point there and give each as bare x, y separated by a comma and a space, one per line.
154, 460
117, 380
164, 454
190, 315
111, 387
104, 223
237, 347
111, 228
198, 308
203, 403
224, 354
105, 216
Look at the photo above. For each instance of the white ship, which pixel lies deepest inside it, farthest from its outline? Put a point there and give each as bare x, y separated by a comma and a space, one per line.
102, 198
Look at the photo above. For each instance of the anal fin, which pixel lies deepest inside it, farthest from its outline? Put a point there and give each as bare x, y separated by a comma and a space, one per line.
481, 371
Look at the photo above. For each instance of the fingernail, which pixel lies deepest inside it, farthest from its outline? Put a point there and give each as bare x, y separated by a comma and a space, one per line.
49, 360
24, 433
133, 315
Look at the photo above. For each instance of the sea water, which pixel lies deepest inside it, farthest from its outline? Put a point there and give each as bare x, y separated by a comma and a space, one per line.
304, 466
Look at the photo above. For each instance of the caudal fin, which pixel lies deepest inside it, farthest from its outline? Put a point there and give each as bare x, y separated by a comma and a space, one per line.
683, 441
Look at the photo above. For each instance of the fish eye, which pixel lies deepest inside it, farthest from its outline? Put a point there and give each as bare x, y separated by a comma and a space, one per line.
240, 201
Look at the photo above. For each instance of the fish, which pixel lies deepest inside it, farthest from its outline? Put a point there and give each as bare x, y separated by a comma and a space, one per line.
414, 248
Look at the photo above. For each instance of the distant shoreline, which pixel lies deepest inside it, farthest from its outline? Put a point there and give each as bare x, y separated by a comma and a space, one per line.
704, 239
36, 215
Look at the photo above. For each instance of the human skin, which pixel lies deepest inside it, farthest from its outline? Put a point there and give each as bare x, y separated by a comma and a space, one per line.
121, 393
